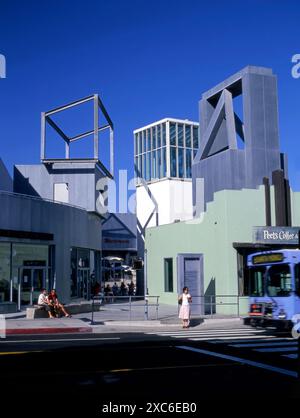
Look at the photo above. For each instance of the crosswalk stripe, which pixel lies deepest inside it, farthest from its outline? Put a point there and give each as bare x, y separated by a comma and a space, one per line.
276, 350
282, 343
191, 332
215, 336
213, 329
293, 356
241, 360
242, 337
254, 338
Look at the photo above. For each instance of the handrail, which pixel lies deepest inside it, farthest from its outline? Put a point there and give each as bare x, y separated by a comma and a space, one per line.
39, 199
213, 302
145, 305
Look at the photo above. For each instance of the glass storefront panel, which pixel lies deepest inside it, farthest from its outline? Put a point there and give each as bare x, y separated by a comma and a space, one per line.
26, 258
83, 258
74, 290
4, 272
84, 266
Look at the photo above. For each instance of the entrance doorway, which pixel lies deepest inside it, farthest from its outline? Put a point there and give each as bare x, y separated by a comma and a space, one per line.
30, 282
190, 274
84, 283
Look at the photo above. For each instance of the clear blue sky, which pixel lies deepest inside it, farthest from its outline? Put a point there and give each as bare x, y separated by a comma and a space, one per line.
147, 59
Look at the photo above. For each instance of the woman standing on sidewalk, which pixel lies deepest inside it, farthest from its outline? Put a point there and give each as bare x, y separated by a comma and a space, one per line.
185, 300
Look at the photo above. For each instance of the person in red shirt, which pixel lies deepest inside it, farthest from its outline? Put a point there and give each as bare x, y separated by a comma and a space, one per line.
53, 298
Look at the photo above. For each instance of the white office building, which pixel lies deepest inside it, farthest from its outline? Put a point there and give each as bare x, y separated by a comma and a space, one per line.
164, 151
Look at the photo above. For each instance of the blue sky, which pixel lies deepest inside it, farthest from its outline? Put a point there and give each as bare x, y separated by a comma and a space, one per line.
147, 60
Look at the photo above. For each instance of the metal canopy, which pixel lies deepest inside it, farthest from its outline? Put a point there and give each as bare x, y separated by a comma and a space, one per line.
97, 106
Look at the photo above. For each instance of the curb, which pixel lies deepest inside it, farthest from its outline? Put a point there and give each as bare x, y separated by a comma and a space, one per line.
137, 324
40, 331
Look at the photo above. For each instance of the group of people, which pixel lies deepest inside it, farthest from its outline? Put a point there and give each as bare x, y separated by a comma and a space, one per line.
122, 290
49, 302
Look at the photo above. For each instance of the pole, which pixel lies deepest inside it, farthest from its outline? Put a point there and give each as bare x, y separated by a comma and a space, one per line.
145, 274
93, 301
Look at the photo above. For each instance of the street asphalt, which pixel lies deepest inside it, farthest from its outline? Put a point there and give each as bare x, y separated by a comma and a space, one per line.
96, 371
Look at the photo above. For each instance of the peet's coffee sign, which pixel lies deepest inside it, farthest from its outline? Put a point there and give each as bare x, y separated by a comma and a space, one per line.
276, 235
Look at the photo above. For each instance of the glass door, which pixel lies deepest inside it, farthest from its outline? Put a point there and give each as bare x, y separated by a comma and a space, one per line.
84, 283
31, 281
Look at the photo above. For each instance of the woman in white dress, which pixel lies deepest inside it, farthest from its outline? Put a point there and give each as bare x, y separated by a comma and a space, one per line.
185, 300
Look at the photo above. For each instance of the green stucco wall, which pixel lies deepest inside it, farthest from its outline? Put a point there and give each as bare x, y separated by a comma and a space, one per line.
229, 218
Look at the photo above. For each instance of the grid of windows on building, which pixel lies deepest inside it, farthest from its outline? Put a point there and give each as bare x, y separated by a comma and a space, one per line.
178, 141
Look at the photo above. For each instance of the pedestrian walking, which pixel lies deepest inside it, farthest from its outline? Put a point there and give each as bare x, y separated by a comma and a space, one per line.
185, 300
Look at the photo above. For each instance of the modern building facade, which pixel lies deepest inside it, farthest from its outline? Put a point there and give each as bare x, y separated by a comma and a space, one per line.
119, 236
164, 152
246, 199
51, 224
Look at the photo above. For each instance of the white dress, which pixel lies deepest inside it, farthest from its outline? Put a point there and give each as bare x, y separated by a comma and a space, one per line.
185, 309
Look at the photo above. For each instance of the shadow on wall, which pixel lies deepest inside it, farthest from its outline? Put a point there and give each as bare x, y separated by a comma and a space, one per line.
22, 185
210, 297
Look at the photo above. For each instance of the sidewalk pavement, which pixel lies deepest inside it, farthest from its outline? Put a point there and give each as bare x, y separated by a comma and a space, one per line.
114, 317
44, 326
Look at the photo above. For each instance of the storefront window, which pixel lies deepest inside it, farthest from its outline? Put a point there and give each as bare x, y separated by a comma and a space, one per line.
83, 258
4, 272
30, 265
73, 272
84, 271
